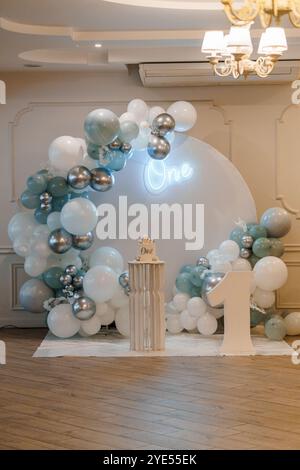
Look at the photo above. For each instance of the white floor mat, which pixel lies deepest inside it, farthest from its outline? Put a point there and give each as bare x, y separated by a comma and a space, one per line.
114, 345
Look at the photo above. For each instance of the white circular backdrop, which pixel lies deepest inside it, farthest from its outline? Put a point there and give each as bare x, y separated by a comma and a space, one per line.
215, 182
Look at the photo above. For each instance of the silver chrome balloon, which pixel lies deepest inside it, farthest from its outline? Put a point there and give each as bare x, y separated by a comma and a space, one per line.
45, 206
60, 241
115, 145
163, 123
46, 197
202, 261
102, 179
79, 177
84, 308
158, 147
245, 253
124, 279
78, 294
71, 269
247, 241
78, 281
66, 280
126, 147
83, 242
210, 281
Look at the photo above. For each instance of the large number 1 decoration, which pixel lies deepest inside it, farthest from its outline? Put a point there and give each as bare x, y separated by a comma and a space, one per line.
234, 292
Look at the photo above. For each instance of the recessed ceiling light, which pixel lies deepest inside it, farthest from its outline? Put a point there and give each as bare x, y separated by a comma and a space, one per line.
32, 66
97, 44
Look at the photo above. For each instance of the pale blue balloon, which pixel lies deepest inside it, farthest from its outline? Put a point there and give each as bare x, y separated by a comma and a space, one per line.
101, 126
37, 184
30, 200
275, 328
117, 160
41, 215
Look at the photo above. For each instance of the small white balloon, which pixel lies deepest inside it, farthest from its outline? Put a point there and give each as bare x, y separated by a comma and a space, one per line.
270, 273
35, 265
122, 321
188, 322
21, 246
107, 316
53, 221
154, 112
21, 224
230, 250
180, 301
127, 117
216, 312
241, 264
264, 298
185, 115
213, 255
65, 152
120, 299
196, 307
107, 256
219, 265
173, 324
207, 324
61, 321
89, 163
79, 216
170, 308
100, 283
139, 109
90, 327
292, 323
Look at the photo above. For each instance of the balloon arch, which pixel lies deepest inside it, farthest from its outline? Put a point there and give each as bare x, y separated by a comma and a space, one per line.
83, 295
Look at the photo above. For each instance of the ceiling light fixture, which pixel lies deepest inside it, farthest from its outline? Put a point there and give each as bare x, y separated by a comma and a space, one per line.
230, 54
98, 44
267, 10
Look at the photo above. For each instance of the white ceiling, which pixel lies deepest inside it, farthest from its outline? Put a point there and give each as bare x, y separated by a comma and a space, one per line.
60, 34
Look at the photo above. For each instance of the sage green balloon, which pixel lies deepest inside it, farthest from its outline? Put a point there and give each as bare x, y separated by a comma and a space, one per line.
59, 202
51, 277
93, 150
275, 328
30, 200
277, 247
237, 234
262, 247
253, 260
256, 317
41, 215
58, 186
183, 283
195, 275
257, 231
187, 268
37, 183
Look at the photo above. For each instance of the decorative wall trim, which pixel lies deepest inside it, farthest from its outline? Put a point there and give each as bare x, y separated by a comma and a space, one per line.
14, 292
292, 248
6, 250
30, 107
280, 303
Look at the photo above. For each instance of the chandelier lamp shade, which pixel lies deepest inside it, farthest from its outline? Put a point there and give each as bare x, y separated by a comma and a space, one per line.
229, 54
267, 10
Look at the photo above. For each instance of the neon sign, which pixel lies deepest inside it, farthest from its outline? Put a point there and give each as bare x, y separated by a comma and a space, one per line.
158, 176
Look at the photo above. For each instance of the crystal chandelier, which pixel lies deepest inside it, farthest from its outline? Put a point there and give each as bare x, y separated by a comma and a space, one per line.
230, 54
267, 10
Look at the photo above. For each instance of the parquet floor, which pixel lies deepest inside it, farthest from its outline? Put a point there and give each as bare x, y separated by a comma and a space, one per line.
141, 403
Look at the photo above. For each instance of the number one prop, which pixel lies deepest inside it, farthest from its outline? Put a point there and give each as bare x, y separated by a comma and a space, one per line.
234, 292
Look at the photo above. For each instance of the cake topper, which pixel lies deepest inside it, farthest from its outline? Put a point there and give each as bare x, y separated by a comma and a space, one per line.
147, 251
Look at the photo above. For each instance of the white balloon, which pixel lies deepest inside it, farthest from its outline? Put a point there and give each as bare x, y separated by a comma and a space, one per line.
292, 323
65, 152
188, 322
173, 324
40, 248
170, 308
219, 265
22, 223
213, 255
139, 109
241, 264
53, 221
67, 260
207, 324
185, 115
141, 142
82, 144
230, 250
264, 298
270, 273
120, 299
21, 246
79, 216
53, 260
196, 307
107, 256
180, 301
216, 312
106, 315
122, 321
129, 130
90, 327
35, 265
89, 163
154, 112
61, 321
127, 117
100, 283
41, 232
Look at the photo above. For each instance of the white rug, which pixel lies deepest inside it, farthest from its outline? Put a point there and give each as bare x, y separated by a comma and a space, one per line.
114, 345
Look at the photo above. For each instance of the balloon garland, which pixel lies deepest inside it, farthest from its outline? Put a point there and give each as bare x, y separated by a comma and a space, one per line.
254, 247
82, 295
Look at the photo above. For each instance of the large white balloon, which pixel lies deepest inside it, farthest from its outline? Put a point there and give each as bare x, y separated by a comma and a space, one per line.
207, 324
21, 224
173, 324
79, 216
188, 322
264, 298
139, 109
100, 283
65, 152
106, 313
230, 250
180, 301
61, 321
185, 115
196, 307
270, 273
292, 323
90, 327
35, 265
21, 245
107, 256
120, 299
122, 321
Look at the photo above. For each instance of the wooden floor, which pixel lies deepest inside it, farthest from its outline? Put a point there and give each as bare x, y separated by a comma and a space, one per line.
141, 403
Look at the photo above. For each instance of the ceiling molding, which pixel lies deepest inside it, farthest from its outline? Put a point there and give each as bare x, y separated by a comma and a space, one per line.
172, 4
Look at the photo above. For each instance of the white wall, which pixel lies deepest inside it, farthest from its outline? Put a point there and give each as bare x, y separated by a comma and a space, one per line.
256, 127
